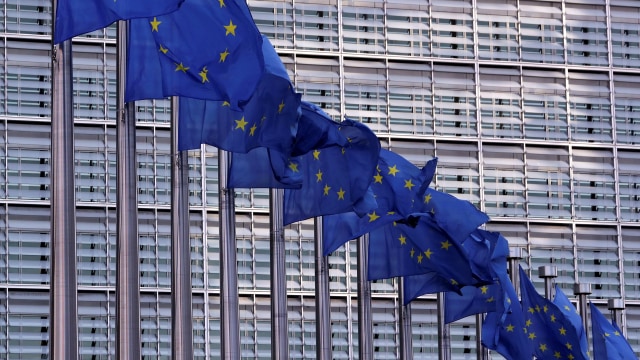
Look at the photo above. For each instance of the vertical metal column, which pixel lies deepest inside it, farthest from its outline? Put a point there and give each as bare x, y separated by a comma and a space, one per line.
548, 273
616, 306
323, 300
482, 353
279, 330
406, 333
127, 250
444, 336
181, 315
515, 254
581, 291
365, 324
229, 302
63, 312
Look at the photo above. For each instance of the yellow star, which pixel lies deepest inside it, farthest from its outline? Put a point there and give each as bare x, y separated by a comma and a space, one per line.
154, 24
566, 307
532, 336
427, 198
341, 194
412, 252
281, 107
531, 310
326, 189
570, 357
377, 178
428, 253
568, 345
490, 300
563, 331
223, 55
393, 170
445, 245
203, 75
343, 151
225, 103
316, 154
180, 67
240, 124
606, 334
557, 355
545, 308
420, 258
252, 130
293, 166
616, 333
484, 289
319, 175
553, 318
391, 213
163, 49
543, 347
403, 239
408, 184
528, 322
373, 216
510, 328
221, 3
231, 29
454, 282
538, 308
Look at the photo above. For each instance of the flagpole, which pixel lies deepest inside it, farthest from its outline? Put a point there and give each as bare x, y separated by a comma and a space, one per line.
323, 300
181, 315
63, 318
482, 353
406, 340
229, 302
444, 337
365, 324
279, 330
581, 290
616, 306
515, 254
548, 273
127, 250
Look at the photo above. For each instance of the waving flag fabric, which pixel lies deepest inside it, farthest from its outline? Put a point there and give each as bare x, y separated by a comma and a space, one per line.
573, 315
608, 341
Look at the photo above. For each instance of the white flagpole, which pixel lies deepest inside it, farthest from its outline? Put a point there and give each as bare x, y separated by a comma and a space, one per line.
181, 314
365, 323
229, 302
127, 250
323, 300
279, 330
63, 318
406, 337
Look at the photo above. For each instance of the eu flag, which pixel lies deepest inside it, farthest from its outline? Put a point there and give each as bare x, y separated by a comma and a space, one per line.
427, 283
395, 185
488, 254
268, 168
269, 119
399, 249
608, 341
334, 178
550, 332
505, 329
76, 17
573, 315
210, 50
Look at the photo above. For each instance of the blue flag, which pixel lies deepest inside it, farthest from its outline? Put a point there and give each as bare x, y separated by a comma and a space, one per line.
395, 186
488, 254
505, 330
608, 341
427, 283
456, 217
268, 120
268, 168
573, 315
550, 332
334, 179
210, 50
76, 17
399, 249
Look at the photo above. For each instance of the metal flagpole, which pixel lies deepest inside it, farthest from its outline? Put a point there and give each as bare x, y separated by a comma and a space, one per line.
127, 250
515, 254
181, 316
444, 337
63, 312
323, 301
616, 306
548, 273
406, 340
581, 290
365, 324
482, 353
279, 330
229, 303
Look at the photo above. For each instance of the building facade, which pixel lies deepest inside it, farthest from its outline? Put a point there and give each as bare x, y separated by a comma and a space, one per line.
532, 108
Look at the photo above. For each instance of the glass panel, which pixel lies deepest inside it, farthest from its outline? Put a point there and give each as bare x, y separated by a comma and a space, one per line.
598, 260
594, 184
586, 32
365, 93
28, 239
407, 26
274, 20
457, 172
497, 30
363, 27
504, 180
316, 25
552, 245
544, 105
625, 28
500, 106
410, 99
454, 101
590, 114
627, 109
452, 29
28, 161
541, 31
631, 261
318, 81
548, 183
629, 185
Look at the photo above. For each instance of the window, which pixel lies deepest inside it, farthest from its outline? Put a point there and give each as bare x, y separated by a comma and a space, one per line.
500, 109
